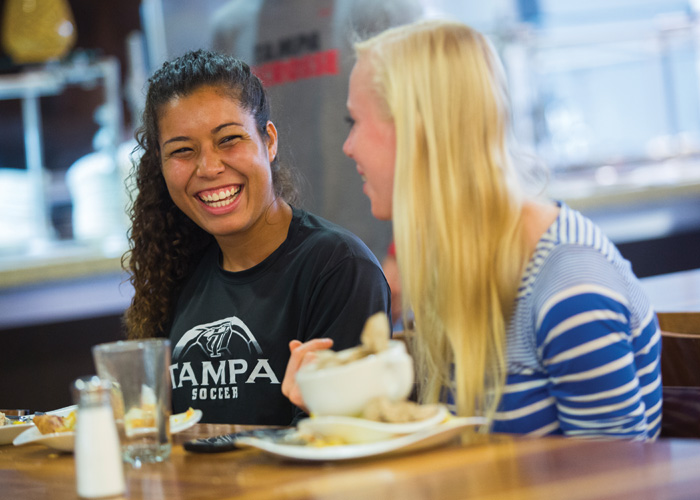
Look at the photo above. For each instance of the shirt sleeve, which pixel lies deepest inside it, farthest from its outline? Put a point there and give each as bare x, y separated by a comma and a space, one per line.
584, 342
342, 300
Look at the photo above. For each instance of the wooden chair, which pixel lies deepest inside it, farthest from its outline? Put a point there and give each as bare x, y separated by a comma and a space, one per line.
680, 372
680, 322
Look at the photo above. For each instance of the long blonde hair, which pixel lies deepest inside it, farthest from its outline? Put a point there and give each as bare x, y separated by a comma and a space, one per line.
456, 204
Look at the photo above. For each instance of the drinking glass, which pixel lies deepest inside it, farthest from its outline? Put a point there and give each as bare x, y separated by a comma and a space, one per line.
141, 393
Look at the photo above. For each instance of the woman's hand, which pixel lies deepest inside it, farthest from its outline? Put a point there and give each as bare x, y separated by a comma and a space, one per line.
301, 354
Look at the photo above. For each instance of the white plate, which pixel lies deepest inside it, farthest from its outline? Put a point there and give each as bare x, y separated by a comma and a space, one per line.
9, 432
358, 430
64, 441
63, 412
439, 434
179, 422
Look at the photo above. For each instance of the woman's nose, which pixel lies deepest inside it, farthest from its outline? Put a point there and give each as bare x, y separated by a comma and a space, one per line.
347, 147
209, 164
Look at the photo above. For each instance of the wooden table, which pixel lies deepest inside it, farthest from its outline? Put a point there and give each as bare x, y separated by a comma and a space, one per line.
495, 467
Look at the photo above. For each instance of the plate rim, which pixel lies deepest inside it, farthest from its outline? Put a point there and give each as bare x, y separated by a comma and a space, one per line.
186, 424
444, 431
54, 440
50, 440
11, 431
22, 428
385, 427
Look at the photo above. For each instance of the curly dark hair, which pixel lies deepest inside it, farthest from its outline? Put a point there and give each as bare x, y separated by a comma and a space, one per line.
165, 244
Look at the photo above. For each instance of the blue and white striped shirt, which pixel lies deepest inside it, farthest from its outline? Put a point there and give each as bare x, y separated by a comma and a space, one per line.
583, 342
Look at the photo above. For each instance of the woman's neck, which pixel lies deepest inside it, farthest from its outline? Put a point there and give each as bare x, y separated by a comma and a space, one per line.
537, 216
243, 251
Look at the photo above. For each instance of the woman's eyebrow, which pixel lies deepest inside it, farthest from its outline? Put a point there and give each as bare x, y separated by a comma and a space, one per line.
213, 131
176, 139
224, 125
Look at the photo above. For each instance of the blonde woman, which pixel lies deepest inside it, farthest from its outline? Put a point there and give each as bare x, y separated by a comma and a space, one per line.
524, 312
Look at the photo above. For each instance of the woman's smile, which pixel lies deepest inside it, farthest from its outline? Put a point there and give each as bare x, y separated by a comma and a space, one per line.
220, 197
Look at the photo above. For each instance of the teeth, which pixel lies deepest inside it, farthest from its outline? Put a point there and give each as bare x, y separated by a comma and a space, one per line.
220, 199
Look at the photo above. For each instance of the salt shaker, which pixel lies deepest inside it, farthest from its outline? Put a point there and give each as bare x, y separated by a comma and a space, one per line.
98, 464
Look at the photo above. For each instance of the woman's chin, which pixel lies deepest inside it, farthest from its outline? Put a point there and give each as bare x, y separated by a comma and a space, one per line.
381, 213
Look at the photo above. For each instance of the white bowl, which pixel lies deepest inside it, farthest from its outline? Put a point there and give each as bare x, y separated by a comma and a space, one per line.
347, 389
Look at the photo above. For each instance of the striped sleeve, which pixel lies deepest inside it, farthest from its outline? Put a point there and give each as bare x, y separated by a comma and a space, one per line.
585, 343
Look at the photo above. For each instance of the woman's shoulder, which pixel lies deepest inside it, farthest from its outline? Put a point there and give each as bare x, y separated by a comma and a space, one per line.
321, 235
588, 277
574, 269
574, 249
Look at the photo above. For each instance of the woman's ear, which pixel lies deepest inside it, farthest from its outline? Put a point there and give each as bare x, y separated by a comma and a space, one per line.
271, 141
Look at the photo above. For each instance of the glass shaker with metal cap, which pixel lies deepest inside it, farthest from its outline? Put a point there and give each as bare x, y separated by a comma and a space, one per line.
98, 464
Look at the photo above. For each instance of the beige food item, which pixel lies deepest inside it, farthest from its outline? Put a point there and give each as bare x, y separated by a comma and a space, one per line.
144, 416
318, 441
374, 337
375, 334
183, 417
140, 418
397, 412
7, 421
49, 424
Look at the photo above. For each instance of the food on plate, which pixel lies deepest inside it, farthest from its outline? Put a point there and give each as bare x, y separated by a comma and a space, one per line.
139, 418
375, 334
384, 409
142, 416
374, 338
383, 419
145, 417
4, 420
317, 440
182, 417
343, 382
50, 424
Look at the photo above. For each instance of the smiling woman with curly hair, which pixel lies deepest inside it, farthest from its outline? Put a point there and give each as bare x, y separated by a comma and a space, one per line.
221, 261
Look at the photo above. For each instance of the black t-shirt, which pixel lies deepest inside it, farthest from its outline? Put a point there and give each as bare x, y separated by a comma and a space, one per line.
231, 331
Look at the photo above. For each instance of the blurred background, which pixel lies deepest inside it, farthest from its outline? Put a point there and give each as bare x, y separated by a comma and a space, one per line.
605, 94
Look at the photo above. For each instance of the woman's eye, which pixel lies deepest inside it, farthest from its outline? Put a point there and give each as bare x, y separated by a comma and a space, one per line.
229, 138
180, 151
349, 121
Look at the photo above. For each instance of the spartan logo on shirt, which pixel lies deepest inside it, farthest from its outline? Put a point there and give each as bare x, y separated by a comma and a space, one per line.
215, 338
229, 349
